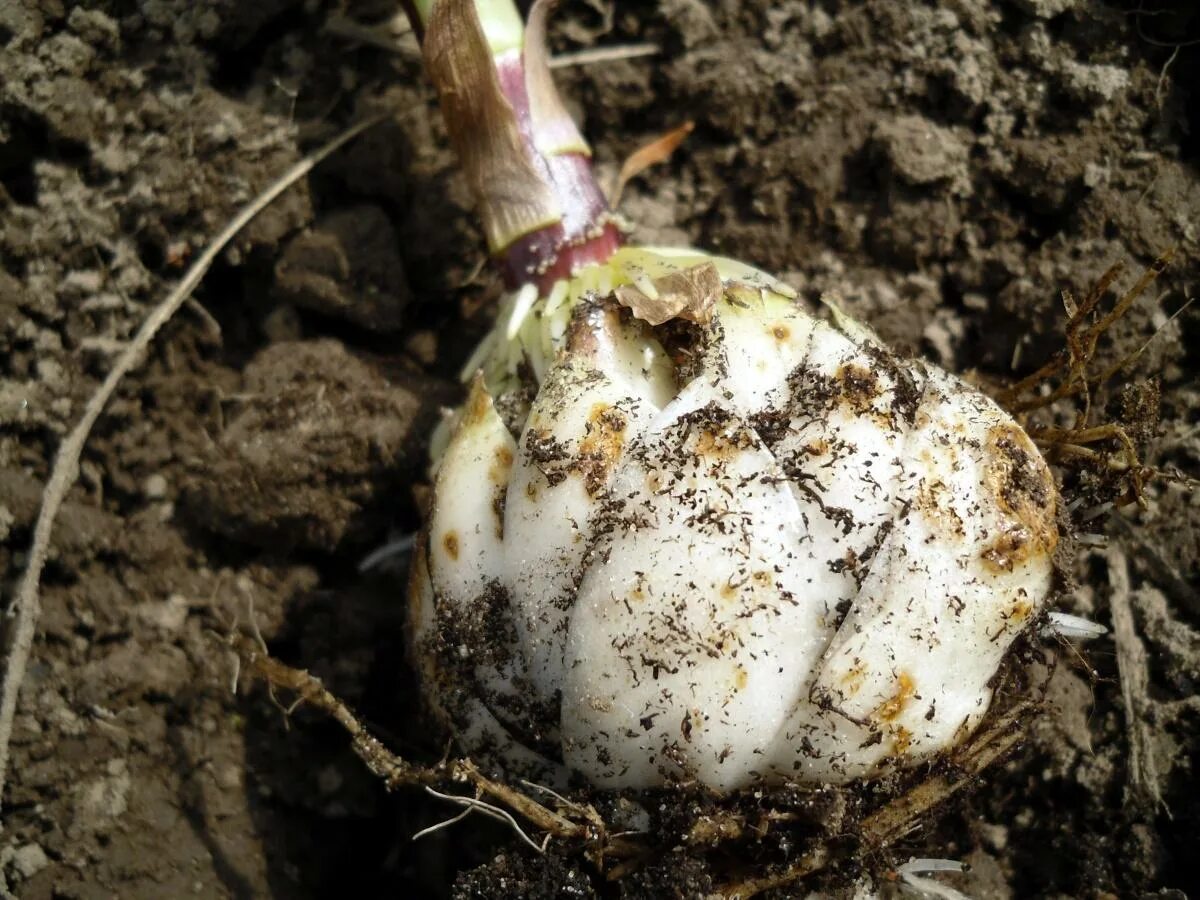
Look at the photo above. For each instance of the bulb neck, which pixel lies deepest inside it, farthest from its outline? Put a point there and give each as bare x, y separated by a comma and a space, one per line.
529, 169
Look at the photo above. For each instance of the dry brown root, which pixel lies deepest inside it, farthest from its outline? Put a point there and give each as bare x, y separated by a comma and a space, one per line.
1083, 332
395, 771
1108, 449
580, 828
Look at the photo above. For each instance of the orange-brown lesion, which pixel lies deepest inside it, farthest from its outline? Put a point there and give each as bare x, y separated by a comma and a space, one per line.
720, 445
890, 710
740, 679
1020, 483
816, 448
715, 445
602, 445
855, 678
478, 405
502, 462
935, 501
450, 544
1010, 549
1018, 611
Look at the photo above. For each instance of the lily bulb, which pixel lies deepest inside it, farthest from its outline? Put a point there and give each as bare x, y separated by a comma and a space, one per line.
684, 530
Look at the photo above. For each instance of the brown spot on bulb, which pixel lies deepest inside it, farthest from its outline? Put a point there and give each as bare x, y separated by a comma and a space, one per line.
819, 447
1021, 485
719, 444
891, 708
1018, 611
935, 501
450, 544
601, 446
502, 461
854, 678
479, 401
740, 679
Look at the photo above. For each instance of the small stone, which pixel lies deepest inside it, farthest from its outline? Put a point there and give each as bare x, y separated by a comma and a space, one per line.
99, 801
422, 346
994, 836
923, 153
1095, 176
95, 27
84, 282
168, 616
1094, 83
28, 860
229, 778
154, 487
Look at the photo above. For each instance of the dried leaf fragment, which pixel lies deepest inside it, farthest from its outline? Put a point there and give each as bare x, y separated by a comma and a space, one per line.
688, 294
657, 151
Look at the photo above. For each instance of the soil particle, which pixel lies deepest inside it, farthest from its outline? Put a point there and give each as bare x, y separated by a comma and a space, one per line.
521, 876
28, 860
315, 454
83, 531
922, 153
102, 800
348, 265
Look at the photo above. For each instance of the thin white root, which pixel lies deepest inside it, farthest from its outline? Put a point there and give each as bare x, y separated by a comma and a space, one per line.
27, 603
454, 820
382, 556
474, 805
593, 55
1060, 624
913, 880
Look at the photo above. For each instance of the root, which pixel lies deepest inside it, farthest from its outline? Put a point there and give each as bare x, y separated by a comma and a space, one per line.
27, 602
898, 817
393, 770
901, 815
1068, 375
581, 829
1083, 333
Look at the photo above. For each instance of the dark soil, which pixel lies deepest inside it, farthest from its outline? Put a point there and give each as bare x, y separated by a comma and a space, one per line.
948, 169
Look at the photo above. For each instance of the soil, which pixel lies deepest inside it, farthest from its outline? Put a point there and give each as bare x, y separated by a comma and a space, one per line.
947, 169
